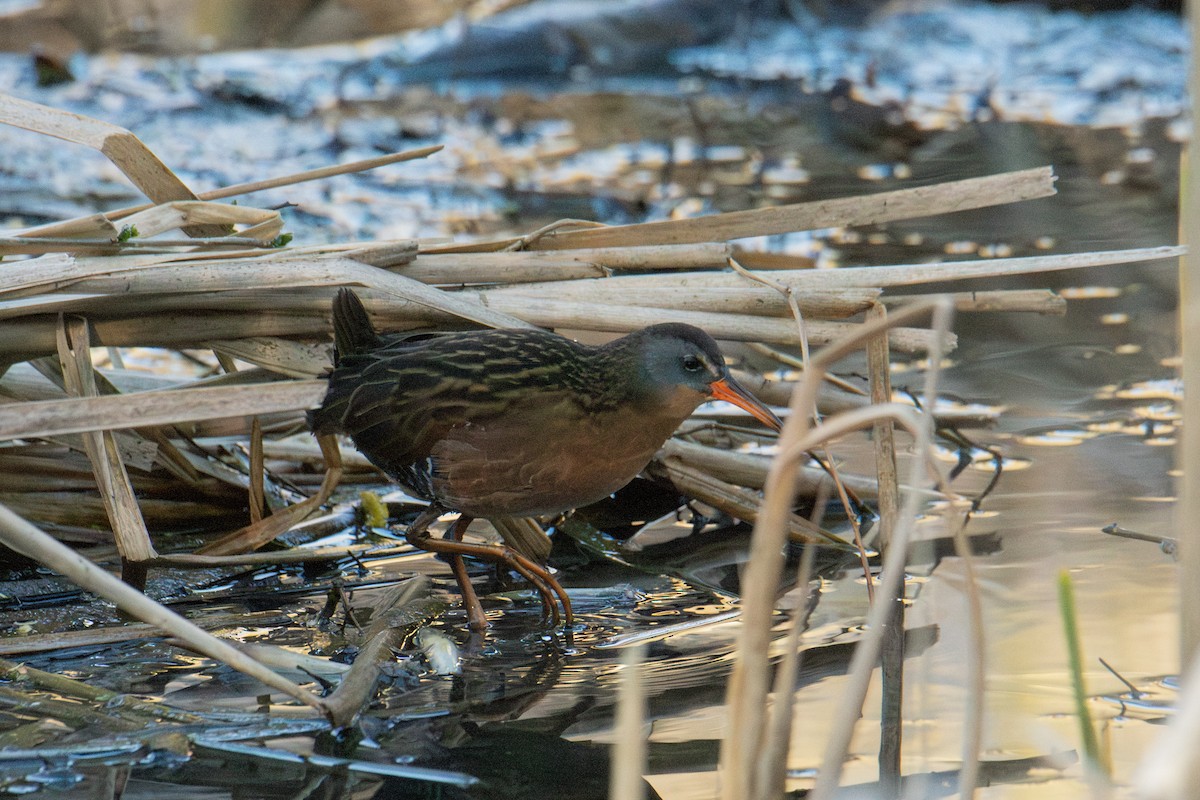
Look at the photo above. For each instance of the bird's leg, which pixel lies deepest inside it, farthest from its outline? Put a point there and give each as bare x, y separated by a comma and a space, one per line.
418, 530
545, 593
418, 536
548, 589
476, 620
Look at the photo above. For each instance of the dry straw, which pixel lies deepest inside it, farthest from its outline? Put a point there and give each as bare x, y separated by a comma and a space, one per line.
203, 275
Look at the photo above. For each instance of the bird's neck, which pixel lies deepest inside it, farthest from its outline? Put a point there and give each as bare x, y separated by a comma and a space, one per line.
618, 377
622, 381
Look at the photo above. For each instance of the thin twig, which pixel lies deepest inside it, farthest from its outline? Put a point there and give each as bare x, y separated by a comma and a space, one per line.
298, 177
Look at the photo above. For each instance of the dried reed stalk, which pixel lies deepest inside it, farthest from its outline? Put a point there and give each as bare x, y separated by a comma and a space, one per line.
110, 412
441, 267
135, 275
257, 500
301, 177
124, 514
732, 327
28, 540
976, 683
771, 777
833, 304
862, 210
112, 247
896, 275
1037, 301
296, 555
120, 146
866, 653
891, 723
1188, 449
628, 759
260, 532
748, 684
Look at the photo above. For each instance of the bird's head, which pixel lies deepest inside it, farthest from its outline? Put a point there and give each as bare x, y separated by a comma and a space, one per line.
681, 365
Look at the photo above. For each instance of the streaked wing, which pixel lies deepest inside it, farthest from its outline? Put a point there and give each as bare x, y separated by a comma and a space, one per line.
398, 401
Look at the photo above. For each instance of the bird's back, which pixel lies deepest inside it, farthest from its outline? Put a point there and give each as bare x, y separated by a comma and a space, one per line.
397, 398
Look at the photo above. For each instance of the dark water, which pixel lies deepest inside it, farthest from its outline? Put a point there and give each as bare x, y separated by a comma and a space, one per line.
1087, 430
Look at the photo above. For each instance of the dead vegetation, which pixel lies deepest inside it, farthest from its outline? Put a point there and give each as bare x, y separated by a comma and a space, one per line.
117, 462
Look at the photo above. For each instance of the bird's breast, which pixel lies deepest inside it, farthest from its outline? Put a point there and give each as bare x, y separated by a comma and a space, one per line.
557, 463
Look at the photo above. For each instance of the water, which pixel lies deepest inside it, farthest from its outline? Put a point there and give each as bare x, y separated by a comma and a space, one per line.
1086, 434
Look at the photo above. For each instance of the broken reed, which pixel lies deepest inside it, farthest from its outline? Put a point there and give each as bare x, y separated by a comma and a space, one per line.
260, 307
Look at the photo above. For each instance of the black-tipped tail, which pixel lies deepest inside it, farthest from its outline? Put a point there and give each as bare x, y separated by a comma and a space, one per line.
353, 332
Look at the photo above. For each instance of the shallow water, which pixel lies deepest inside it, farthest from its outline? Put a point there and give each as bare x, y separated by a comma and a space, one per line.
1087, 430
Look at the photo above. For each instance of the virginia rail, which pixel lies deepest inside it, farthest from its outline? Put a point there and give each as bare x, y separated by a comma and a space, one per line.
514, 423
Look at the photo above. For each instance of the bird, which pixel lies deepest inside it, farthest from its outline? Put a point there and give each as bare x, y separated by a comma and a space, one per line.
525, 422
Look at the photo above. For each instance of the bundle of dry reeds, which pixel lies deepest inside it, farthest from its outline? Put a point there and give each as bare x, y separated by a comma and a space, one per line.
192, 275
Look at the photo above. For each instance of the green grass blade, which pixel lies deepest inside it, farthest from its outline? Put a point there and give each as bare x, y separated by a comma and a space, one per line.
1087, 731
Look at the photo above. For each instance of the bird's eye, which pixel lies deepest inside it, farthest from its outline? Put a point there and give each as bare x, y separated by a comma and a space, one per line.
692, 364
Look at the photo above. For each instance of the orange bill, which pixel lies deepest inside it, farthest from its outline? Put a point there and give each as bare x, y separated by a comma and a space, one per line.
731, 391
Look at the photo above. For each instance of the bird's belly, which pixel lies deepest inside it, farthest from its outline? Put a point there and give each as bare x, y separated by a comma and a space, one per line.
488, 473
